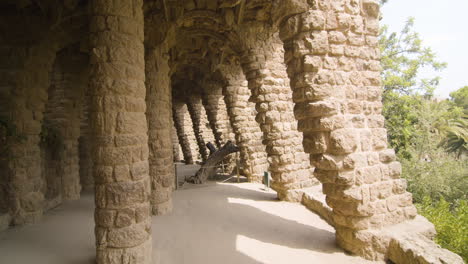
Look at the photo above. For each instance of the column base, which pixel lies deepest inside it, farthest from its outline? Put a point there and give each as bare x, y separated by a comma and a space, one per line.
162, 208
141, 254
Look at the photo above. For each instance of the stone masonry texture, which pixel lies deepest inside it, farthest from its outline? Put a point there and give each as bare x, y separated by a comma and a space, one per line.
121, 170
106, 95
159, 115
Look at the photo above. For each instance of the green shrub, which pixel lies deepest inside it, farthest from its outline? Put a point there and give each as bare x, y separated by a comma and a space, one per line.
451, 223
442, 176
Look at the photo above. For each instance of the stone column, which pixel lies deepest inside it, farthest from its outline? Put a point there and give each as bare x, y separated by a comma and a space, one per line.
263, 65
205, 126
194, 106
333, 56
241, 114
159, 114
121, 171
178, 112
213, 100
175, 143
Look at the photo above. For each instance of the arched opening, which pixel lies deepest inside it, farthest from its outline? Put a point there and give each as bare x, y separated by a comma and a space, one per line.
60, 129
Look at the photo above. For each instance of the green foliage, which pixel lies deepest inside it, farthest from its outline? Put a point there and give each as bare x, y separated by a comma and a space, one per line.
428, 135
403, 56
456, 140
438, 175
451, 223
400, 120
460, 98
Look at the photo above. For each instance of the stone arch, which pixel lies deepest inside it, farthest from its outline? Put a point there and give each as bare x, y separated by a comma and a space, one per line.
241, 114
30, 83
263, 65
61, 126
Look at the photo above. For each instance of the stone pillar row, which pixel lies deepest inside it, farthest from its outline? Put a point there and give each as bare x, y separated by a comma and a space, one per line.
263, 65
333, 55
121, 170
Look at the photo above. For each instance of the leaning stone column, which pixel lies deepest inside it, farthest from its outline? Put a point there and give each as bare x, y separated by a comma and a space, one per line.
242, 116
333, 61
159, 114
216, 111
178, 112
194, 106
117, 87
263, 64
205, 126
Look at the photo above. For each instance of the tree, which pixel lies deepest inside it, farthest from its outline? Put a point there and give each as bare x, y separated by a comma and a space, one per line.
460, 98
403, 56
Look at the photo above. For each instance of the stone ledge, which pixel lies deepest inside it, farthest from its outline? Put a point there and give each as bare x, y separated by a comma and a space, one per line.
314, 200
418, 249
409, 242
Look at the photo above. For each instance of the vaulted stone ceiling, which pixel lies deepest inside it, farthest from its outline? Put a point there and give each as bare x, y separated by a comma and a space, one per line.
203, 34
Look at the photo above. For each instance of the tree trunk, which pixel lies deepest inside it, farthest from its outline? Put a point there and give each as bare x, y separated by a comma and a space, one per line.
209, 168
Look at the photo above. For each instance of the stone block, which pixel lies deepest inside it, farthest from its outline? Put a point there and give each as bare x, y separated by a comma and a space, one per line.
313, 20
368, 175
343, 141
315, 142
129, 236
355, 160
318, 42
417, 249
312, 63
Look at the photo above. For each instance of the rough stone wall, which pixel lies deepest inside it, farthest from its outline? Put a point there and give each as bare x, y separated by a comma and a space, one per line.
216, 110
263, 64
332, 55
159, 115
195, 106
28, 45
118, 121
242, 113
61, 127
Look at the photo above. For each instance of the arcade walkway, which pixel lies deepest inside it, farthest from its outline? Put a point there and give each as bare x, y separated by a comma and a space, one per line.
215, 223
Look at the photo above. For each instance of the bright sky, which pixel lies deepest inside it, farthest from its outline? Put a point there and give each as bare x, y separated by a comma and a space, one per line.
443, 26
